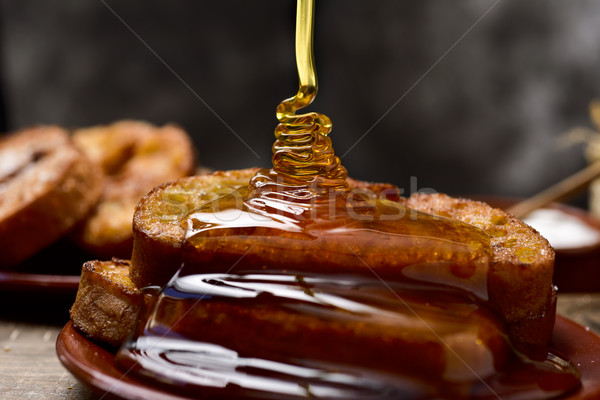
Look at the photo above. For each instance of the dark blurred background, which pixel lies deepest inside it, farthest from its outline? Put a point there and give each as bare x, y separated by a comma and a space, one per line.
467, 96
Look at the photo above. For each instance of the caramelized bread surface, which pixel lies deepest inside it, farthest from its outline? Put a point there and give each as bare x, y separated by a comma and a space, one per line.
135, 157
456, 341
107, 302
46, 186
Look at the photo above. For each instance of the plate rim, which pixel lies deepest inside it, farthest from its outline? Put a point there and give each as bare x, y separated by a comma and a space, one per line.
29, 282
70, 342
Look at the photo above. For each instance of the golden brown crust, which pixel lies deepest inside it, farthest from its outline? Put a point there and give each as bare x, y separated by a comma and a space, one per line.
520, 276
46, 186
520, 279
107, 301
157, 229
135, 157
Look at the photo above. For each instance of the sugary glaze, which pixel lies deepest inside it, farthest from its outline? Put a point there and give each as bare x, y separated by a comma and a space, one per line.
297, 287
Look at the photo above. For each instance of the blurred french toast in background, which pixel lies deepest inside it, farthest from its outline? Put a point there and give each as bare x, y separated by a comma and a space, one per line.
135, 157
82, 186
47, 185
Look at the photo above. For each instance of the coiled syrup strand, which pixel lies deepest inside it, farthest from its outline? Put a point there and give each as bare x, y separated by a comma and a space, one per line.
303, 153
300, 212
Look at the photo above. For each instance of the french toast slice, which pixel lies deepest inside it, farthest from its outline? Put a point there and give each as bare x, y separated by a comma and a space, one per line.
107, 302
135, 156
522, 264
157, 222
519, 280
47, 185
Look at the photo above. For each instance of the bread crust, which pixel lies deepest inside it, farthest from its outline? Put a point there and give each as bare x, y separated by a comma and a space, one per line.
107, 302
135, 156
46, 186
157, 229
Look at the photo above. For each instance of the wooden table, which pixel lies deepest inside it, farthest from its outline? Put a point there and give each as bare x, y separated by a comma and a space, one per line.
29, 368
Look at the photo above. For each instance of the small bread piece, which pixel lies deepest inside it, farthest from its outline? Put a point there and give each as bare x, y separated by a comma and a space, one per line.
520, 277
135, 157
157, 228
46, 186
107, 302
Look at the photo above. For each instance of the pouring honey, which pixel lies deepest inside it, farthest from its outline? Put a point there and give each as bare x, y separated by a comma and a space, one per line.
297, 286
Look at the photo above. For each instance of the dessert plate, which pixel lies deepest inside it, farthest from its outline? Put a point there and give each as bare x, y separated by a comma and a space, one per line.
94, 365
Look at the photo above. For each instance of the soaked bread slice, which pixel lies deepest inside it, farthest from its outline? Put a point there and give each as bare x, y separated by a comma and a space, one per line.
107, 302
47, 185
427, 338
157, 222
135, 156
157, 229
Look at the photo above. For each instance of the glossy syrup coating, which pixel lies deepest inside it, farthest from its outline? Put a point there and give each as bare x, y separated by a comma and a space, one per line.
297, 287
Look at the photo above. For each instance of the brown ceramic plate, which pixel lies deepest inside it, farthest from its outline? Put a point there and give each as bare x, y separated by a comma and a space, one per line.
94, 365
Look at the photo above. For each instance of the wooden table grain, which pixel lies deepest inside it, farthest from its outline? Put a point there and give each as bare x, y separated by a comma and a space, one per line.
29, 368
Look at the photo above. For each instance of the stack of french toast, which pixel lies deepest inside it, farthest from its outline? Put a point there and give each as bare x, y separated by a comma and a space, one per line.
519, 280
